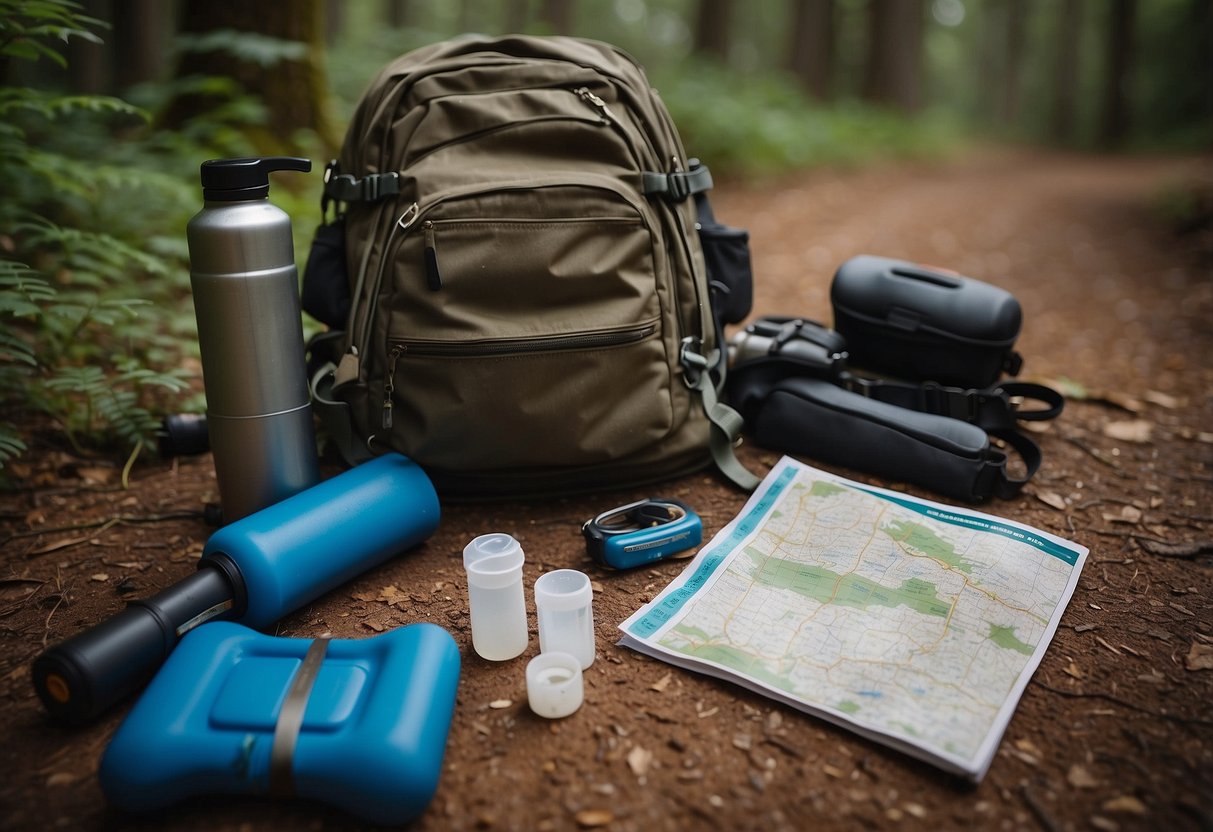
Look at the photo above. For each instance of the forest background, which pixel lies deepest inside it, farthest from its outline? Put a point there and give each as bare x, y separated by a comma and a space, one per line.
108, 106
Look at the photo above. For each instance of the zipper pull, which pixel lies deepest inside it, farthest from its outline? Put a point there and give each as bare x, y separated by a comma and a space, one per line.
389, 385
597, 103
433, 278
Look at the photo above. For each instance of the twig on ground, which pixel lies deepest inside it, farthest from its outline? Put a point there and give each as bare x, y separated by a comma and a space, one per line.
1116, 700
1038, 811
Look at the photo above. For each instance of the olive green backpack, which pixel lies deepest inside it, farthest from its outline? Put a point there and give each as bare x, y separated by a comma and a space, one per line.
529, 309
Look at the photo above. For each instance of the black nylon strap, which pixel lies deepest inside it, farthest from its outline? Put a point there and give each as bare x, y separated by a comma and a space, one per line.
1006, 486
676, 186
290, 719
993, 409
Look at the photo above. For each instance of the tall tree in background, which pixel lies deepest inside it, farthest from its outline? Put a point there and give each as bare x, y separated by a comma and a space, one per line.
134, 49
398, 13
516, 15
1115, 120
292, 84
1065, 87
893, 74
1009, 99
713, 28
811, 53
557, 15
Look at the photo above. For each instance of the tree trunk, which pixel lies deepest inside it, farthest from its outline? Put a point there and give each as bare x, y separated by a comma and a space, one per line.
811, 54
517, 15
1114, 126
398, 16
1065, 92
558, 15
893, 76
713, 28
1013, 60
88, 63
294, 92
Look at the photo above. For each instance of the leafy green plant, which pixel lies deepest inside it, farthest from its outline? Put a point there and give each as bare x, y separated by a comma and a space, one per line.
88, 283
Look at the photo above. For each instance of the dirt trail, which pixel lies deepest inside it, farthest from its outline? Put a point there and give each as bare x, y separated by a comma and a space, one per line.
1114, 732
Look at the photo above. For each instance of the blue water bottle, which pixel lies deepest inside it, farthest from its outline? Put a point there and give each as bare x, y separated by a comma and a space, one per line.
253, 571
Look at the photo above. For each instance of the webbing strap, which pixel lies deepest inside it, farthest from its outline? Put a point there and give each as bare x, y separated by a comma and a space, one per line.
290, 719
726, 423
726, 427
678, 185
335, 415
370, 188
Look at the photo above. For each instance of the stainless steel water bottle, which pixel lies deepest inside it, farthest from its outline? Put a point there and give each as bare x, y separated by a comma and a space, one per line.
246, 298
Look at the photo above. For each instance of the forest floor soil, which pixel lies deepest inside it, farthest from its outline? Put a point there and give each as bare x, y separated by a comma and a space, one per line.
1114, 731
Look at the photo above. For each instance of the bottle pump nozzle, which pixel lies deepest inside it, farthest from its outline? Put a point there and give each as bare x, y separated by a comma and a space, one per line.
230, 180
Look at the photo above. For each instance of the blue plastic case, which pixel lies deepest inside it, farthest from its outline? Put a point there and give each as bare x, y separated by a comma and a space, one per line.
372, 738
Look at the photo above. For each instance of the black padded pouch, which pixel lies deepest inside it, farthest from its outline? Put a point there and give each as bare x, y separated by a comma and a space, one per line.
921, 324
326, 288
726, 251
826, 423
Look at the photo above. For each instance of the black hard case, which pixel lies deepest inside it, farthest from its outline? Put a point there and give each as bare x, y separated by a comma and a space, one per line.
917, 323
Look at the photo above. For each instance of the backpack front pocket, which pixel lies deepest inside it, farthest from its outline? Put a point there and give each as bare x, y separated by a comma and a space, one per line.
528, 328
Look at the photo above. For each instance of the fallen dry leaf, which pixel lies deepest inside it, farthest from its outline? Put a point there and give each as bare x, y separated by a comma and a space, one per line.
1104, 824
1029, 747
392, 596
498, 704
593, 818
61, 778
1200, 657
1165, 400
661, 684
1080, 778
1125, 803
639, 760
1133, 430
374, 626
1128, 514
100, 577
1072, 670
1053, 499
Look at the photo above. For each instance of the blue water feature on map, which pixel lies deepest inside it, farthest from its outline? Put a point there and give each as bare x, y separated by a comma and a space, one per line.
874, 694
746, 524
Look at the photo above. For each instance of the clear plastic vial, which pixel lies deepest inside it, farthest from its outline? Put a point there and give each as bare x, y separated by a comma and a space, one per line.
563, 600
497, 604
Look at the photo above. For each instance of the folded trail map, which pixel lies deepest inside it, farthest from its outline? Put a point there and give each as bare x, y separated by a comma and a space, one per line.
913, 623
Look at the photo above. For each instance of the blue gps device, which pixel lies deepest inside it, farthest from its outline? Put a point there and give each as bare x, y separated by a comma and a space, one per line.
642, 532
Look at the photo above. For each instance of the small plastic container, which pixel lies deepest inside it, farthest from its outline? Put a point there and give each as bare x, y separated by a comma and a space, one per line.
553, 685
495, 596
563, 602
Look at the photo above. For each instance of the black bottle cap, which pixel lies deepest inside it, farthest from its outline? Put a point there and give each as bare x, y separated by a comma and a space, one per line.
232, 180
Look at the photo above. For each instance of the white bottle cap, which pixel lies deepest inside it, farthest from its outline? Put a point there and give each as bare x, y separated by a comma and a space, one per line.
553, 685
493, 560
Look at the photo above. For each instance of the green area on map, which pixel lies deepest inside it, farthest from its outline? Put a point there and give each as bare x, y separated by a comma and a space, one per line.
922, 539
1005, 638
731, 657
847, 590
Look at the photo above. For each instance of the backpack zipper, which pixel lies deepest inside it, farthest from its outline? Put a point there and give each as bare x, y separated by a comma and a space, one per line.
609, 118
